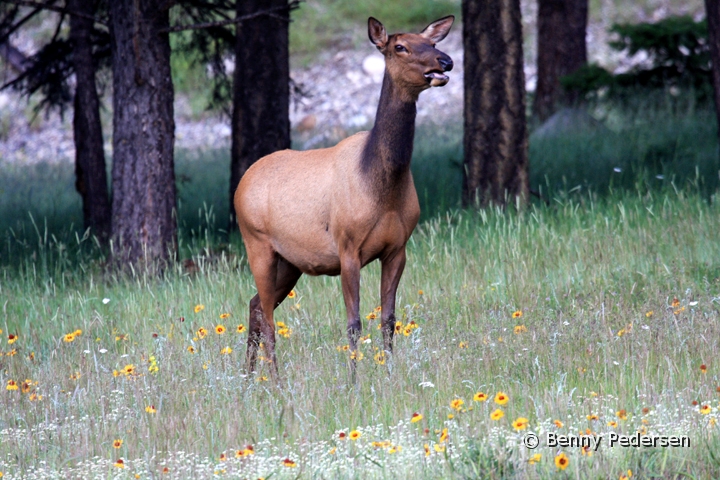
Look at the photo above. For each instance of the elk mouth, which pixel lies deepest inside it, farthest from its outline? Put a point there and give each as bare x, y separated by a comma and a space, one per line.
436, 78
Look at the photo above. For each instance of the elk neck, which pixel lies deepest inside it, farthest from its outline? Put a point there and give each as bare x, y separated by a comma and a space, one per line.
388, 151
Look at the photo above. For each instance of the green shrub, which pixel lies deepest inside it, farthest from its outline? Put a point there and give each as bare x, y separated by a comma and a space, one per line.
677, 53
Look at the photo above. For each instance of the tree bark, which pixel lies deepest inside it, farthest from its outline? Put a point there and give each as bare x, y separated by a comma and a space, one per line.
562, 49
143, 177
91, 176
261, 88
712, 8
495, 141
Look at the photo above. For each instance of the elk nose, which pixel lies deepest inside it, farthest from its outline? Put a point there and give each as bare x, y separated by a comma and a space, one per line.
446, 63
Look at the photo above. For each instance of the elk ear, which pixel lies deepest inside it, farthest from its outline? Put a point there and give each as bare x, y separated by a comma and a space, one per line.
376, 32
438, 29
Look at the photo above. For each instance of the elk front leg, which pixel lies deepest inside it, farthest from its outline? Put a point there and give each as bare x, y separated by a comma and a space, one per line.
350, 279
392, 269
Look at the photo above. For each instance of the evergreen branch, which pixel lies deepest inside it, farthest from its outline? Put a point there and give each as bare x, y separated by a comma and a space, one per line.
222, 23
44, 6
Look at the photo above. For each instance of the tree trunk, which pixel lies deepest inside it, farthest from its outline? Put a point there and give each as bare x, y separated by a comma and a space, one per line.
713, 17
261, 89
143, 205
91, 176
495, 142
562, 49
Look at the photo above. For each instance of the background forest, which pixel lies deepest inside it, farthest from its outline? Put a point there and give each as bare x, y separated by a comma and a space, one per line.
625, 135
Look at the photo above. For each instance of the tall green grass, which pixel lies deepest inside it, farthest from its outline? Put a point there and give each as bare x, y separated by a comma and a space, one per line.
648, 141
649, 146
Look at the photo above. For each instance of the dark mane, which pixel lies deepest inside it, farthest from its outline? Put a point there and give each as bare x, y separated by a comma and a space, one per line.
389, 148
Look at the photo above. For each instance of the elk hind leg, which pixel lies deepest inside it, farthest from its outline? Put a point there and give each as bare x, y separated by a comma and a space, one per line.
262, 326
254, 333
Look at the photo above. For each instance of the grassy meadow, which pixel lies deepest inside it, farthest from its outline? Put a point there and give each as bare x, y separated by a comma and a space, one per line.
592, 315
594, 312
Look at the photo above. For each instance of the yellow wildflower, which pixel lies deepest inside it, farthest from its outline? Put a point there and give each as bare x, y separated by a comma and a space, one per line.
480, 397
520, 424
501, 398
380, 358
562, 461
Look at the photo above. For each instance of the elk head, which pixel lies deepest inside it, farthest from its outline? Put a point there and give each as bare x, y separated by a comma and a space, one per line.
411, 59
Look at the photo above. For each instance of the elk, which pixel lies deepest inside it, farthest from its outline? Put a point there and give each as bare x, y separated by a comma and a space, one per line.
332, 211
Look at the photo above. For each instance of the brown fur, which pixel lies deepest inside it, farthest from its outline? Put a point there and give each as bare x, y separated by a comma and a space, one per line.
334, 210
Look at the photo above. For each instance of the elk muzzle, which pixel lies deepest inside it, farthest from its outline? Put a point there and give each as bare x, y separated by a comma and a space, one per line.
437, 77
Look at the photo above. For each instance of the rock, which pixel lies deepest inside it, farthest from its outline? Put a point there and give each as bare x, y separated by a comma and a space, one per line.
568, 120
222, 130
307, 124
359, 120
374, 66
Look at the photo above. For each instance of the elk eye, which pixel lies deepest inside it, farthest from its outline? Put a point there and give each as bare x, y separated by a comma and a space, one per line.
400, 48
